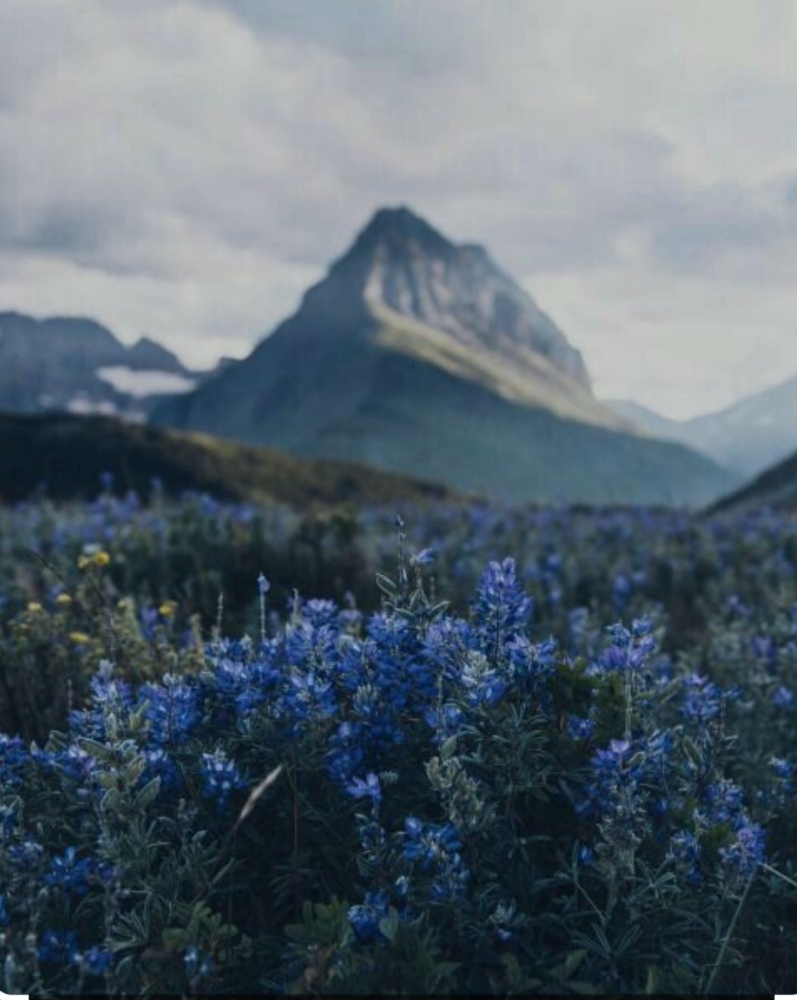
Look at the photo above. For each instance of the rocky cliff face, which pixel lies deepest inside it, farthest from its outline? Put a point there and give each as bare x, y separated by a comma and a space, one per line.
413, 270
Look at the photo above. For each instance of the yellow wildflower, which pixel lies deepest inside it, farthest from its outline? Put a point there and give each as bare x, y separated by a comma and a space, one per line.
34, 606
79, 637
168, 608
98, 558
63, 600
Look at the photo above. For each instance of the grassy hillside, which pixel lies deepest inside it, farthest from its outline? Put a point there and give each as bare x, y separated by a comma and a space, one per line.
63, 456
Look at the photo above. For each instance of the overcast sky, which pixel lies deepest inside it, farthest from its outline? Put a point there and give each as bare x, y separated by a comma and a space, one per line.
186, 168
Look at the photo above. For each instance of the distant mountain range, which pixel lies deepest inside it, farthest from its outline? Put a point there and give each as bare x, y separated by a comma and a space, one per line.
78, 366
420, 356
62, 456
747, 437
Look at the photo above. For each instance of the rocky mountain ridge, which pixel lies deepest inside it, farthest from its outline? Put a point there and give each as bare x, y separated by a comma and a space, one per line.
75, 364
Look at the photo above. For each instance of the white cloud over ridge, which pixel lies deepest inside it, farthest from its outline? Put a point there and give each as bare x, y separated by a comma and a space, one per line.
185, 168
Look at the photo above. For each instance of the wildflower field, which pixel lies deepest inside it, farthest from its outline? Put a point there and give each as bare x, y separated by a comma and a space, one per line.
452, 749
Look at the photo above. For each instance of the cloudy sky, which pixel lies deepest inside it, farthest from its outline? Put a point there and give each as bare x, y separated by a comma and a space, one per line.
186, 168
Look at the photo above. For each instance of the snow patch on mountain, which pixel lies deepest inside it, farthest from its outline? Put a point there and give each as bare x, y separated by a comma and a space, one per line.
83, 406
144, 383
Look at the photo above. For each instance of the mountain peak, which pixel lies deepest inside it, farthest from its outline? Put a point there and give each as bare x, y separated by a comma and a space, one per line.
400, 225
148, 353
400, 263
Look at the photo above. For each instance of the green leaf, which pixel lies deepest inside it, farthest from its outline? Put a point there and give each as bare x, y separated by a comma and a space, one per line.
691, 750
653, 980
573, 960
95, 749
386, 585
110, 800
105, 779
449, 748
148, 794
389, 925
134, 770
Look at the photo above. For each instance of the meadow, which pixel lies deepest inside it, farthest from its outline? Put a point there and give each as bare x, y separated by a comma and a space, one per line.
450, 748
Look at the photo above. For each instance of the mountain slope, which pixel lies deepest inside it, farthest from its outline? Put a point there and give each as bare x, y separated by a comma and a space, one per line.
63, 456
417, 355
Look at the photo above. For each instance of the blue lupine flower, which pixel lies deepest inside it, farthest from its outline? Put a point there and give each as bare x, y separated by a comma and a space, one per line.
577, 620
580, 728
765, 649
424, 558
501, 608
371, 834
724, 799
685, 853
322, 613
59, 947
483, 684
220, 777
160, 765
346, 753
784, 773
263, 585
451, 881
365, 917
629, 650
446, 643
172, 709
782, 697
72, 875
621, 591
502, 919
14, 755
429, 844
747, 850
370, 788
532, 663
446, 721
28, 857
608, 764
97, 960
701, 698
197, 963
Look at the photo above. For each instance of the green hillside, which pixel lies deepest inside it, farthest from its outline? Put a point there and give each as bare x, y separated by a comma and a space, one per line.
63, 456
